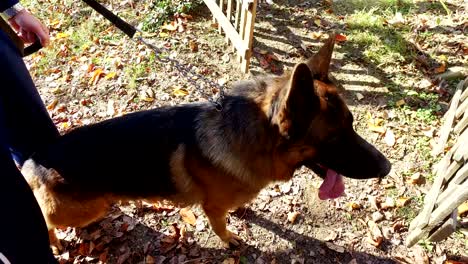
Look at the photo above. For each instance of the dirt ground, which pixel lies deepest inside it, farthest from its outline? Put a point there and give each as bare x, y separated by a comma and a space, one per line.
287, 223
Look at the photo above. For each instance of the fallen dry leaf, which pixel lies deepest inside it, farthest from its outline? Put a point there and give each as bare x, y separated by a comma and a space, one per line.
377, 129
188, 216
400, 102
354, 206
375, 237
170, 27
316, 35
292, 216
463, 208
271, 57
318, 22
389, 138
149, 260
388, 204
377, 216
61, 35
398, 226
340, 37
420, 255
416, 178
52, 105
442, 68
402, 201
180, 92
96, 75
111, 108
229, 261
375, 124
359, 96
397, 20
110, 75
193, 46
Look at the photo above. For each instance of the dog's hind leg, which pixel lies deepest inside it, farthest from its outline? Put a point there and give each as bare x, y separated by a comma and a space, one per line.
217, 217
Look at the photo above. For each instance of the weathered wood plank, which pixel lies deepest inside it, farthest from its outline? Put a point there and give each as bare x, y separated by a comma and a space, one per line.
465, 93
241, 47
423, 218
447, 127
221, 6
461, 175
460, 152
457, 197
242, 22
447, 228
462, 123
249, 32
229, 15
462, 109
454, 166
237, 17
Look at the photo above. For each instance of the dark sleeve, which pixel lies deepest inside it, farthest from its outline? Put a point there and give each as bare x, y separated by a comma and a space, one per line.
5, 4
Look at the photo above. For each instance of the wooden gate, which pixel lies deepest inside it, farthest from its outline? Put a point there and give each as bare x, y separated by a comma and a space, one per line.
236, 18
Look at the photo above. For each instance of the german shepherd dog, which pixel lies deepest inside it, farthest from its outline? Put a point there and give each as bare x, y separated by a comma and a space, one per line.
195, 154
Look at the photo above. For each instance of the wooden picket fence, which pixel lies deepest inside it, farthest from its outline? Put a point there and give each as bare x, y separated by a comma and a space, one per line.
438, 218
236, 18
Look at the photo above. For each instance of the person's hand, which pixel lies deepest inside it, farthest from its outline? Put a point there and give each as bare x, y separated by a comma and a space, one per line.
29, 28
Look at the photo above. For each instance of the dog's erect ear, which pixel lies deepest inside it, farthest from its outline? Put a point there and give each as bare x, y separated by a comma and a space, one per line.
298, 103
319, 64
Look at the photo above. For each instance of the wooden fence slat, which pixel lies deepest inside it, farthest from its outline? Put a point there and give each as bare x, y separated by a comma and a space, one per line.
221, 6
242, 22
229, 15
462, 109
429, 201
237, 17
447, 228
241, 47
465, 93
461, 138
454, 166
248, 36
446, 128
461, 125
447, 206
461, 175
461, 152
446, 193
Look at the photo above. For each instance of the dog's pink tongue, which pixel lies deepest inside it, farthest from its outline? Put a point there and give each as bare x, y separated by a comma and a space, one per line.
332, 186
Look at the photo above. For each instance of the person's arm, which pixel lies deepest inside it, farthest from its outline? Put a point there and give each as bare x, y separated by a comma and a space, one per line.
28, 27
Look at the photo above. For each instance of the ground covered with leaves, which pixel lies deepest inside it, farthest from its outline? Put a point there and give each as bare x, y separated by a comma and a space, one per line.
388, 58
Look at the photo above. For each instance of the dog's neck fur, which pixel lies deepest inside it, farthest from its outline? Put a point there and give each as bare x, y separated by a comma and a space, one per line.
226, 147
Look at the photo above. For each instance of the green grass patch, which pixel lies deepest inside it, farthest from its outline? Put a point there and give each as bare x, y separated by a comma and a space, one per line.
162, 11
343, 7
379, 43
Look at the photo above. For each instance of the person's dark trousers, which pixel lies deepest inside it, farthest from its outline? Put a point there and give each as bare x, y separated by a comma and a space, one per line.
24, 127
28, 125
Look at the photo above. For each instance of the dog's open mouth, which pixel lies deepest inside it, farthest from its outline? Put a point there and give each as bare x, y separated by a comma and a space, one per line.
332, 186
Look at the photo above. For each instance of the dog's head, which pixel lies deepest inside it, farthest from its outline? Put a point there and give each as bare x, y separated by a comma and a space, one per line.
311, 113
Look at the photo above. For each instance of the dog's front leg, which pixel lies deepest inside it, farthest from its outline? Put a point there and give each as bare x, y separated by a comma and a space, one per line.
217, 217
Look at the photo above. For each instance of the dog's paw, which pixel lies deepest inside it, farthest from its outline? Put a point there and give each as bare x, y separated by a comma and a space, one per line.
231, 239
